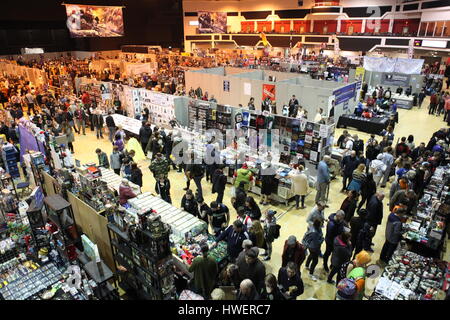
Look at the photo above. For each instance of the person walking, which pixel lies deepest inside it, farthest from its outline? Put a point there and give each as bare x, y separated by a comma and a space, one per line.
111, 126
271, 232
335, 227
159, 166
205, 271
299, 185
196, 172
80, 119
316, 213
342, 253
145, 132
162, 187
323, 179
393, 235
219, 181
313, 240
358, 178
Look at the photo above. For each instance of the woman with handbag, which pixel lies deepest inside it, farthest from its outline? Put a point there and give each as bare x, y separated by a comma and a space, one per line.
313, 240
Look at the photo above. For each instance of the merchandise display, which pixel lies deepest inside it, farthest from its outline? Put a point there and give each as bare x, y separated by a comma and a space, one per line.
409, 276
426, 229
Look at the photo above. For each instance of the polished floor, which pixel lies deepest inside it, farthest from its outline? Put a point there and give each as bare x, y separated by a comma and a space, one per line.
293, 222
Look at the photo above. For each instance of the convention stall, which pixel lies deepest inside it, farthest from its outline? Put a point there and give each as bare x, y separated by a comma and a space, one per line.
234, 86
395, 73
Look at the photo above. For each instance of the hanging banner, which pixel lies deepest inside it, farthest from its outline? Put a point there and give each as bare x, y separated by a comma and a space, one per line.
268, 92
344, 94
94, 21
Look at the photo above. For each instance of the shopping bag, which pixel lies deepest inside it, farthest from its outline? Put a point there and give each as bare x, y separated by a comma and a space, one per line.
233, 191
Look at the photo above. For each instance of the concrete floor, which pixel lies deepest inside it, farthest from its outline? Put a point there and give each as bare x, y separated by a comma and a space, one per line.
415, 121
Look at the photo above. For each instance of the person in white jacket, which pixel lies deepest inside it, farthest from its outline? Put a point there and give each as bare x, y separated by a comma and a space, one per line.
378, 168
299, 184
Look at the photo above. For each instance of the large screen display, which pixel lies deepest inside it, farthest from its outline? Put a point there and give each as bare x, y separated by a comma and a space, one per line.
94, 21
212, 22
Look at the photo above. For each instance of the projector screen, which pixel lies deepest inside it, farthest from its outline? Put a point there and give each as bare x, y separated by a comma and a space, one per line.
94, 21
212, 22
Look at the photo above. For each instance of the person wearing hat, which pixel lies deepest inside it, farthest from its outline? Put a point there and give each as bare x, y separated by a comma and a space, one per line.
342, 253
270, 226
205, 271
293, 251
252, 268
125, 192
244, 174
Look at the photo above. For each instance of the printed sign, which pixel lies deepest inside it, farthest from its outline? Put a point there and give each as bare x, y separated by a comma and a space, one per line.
268, 92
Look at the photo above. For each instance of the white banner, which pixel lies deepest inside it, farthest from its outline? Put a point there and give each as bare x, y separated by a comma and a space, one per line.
400, 65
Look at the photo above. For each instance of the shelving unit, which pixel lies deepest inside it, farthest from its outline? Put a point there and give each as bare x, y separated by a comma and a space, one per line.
60, 213
147, 259
9, 156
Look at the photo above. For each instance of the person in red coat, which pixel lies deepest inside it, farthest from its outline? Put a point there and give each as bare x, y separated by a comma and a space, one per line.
293, 251
125, 192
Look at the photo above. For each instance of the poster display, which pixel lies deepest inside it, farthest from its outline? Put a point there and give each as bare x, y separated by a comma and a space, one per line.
226, 85
94, 21
160, 105
344, 94
392, 79
212, 22
268, 92
359, 74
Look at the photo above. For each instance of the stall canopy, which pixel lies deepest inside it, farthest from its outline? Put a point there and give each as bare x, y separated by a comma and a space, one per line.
399, 65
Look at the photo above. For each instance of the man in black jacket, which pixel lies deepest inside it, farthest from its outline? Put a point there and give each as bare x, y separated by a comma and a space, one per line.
349, 164
234, 235
97, 121
335, 227
290, 281
375, 211
252, 268
196, 172
219, 181
111, 126
145, 132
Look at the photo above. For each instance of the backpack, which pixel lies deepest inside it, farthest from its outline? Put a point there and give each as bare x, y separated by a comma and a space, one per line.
275, 230
307, 239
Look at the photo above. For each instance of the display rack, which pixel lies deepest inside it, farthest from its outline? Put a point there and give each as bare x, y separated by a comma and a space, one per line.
9, 156
60, 214
146, 256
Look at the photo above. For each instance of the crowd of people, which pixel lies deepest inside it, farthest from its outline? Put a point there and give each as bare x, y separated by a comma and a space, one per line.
366, 168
